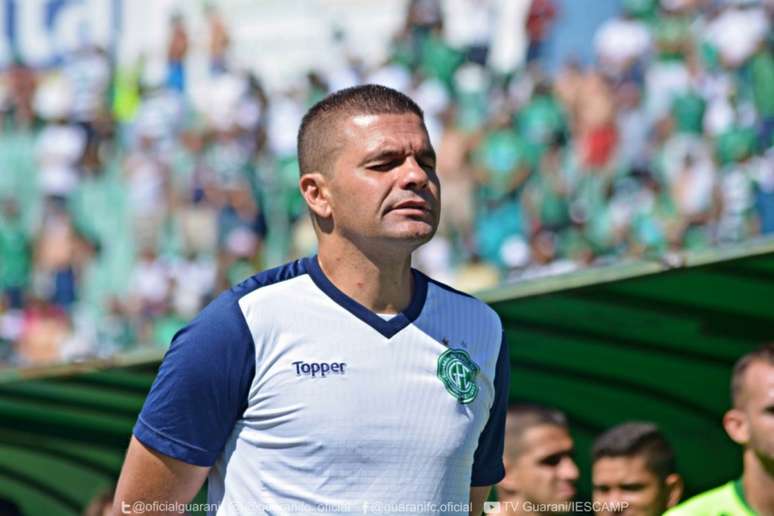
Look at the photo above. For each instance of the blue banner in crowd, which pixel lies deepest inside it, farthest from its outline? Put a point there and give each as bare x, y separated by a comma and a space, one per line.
42, 32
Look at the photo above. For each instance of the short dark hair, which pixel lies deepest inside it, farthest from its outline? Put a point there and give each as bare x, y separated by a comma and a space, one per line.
764, 354
636, 438
315, 142
522, 417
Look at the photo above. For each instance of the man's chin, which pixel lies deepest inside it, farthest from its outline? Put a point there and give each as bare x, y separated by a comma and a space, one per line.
416, 233
565, 496
570, 496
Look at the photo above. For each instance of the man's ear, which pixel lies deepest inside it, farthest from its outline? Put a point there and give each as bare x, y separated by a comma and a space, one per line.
507, 487
674, 489
314, 189
735, 423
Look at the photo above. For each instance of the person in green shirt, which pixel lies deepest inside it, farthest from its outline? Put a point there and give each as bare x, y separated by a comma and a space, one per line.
750, 423
15, 254
762, 79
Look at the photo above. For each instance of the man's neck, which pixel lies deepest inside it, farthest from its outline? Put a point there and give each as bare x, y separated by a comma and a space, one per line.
383, 285
758, 482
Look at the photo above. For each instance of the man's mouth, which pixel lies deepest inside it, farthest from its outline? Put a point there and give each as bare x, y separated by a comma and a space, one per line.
412, 206
566, 490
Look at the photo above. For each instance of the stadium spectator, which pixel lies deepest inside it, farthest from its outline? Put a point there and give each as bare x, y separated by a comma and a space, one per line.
150, 284
148, 191
60, 257
621, 44
634, 471
15, 254
567, 85
468, 25
176, 54
458, 182
547, 195
116, 330
61, 143
764, 192
632, 125
594, 126
88, 72
21, 83
539, 468
737, 31
545, 257
540, 18
750, 424
502, 161
44, 329
219, 41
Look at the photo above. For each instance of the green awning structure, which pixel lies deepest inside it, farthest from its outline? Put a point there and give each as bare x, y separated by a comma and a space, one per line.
644, 341
635, 341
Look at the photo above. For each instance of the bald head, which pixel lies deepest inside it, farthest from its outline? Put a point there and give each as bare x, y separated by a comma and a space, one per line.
320, 138
739, 388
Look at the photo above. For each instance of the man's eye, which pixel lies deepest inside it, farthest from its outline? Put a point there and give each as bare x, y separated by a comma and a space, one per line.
633, 487
552, 460
383, 167
601, 489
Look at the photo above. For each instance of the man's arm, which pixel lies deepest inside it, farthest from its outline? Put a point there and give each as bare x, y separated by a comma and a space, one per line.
488, 467
478, 495
200, 392
149, 476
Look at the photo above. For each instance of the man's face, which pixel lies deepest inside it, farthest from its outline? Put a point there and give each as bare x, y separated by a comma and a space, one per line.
626, 482
758, 409
383, 186
545, 472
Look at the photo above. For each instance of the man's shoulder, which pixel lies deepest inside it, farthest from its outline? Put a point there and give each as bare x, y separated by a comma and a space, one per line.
268, 277
716, 501
473, 307
225, 306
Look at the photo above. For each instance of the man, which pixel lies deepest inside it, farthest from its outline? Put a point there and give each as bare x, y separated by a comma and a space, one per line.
346, 382
633, 472
177, 49
749, 423
540, 473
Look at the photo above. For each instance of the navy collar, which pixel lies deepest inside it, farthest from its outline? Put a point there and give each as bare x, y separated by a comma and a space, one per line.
386, 328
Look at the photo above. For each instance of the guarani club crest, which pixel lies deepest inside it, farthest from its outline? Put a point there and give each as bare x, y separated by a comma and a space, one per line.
458, 373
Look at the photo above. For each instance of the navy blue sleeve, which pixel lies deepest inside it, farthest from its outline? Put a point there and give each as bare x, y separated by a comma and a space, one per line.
488, 468
202, 386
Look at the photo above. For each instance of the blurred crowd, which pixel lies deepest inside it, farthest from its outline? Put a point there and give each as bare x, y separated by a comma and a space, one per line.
125, 207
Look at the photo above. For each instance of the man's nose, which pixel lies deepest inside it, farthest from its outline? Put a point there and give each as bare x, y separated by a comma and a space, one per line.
568, 470
616, 499
413, 176
605, 498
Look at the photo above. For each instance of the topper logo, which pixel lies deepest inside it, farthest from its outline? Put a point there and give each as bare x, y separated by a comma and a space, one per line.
318, 368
